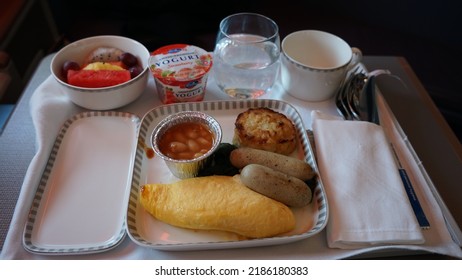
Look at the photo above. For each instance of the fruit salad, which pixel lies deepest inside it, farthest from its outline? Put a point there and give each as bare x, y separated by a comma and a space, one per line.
103, 67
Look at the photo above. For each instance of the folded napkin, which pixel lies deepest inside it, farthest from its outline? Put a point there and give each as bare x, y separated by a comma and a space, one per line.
50, 108
367, 201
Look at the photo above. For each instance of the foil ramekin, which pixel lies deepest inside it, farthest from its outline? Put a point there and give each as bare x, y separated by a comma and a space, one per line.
186, 168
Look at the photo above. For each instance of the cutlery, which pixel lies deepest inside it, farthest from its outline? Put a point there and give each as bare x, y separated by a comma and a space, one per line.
356, 100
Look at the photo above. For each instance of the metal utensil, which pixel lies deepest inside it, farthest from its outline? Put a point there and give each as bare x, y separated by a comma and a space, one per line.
362, 105
341, 98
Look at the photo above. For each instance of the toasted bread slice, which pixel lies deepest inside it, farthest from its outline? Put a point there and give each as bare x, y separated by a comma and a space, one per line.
265, 129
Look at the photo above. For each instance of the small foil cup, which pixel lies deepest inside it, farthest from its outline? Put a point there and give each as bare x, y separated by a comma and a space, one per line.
186, 168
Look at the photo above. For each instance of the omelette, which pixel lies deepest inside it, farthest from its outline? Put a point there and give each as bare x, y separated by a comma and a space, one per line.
217, 203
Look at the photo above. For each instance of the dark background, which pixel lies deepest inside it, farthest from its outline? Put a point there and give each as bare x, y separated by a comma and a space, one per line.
426, 33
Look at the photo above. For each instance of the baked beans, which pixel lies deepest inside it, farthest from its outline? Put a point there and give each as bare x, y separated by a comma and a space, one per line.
186, 141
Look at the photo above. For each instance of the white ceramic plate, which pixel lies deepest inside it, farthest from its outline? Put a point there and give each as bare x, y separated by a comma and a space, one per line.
145, 230
80, 203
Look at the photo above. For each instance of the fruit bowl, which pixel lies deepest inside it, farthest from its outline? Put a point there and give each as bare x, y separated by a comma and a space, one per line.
107, 97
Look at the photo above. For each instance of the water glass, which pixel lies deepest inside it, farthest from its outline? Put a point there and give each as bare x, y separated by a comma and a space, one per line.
246, 55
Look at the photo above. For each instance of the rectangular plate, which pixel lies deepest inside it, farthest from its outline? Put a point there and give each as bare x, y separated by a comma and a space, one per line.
80, 203
145, 230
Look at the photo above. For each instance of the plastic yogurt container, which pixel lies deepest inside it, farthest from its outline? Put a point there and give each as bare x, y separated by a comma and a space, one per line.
180, 72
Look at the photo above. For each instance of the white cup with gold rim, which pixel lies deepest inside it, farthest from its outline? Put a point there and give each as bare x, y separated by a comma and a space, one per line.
314, 63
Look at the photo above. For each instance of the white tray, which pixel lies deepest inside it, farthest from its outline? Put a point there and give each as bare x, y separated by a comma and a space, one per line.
79, 205
146, 231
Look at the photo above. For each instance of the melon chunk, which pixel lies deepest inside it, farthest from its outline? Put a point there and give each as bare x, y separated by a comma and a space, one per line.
104, 66
97, 78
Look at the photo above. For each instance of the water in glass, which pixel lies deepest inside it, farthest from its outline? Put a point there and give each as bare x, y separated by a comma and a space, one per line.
245, 66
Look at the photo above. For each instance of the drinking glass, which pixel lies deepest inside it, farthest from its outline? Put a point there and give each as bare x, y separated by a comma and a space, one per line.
246, 55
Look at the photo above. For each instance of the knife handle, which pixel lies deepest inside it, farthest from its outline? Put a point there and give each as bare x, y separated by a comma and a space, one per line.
418, 211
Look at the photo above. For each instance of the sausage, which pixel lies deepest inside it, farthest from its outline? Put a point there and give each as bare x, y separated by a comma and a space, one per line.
243, 156
276, 185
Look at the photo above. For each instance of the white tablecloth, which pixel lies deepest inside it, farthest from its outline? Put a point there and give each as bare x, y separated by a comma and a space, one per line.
50, 109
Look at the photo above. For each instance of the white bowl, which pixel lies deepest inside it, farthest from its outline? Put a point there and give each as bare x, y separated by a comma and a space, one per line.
105, 98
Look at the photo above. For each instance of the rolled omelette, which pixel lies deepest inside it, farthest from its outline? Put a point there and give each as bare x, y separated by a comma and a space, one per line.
217, 203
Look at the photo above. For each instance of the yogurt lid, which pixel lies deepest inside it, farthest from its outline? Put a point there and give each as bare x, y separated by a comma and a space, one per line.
179, 62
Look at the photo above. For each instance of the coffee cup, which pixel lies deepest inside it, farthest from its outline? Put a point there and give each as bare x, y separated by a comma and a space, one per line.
314, 63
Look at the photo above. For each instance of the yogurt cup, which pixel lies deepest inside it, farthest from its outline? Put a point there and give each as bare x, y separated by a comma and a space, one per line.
180, 72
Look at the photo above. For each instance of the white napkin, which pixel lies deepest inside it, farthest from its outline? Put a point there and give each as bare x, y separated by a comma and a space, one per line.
367, 201
50, 108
